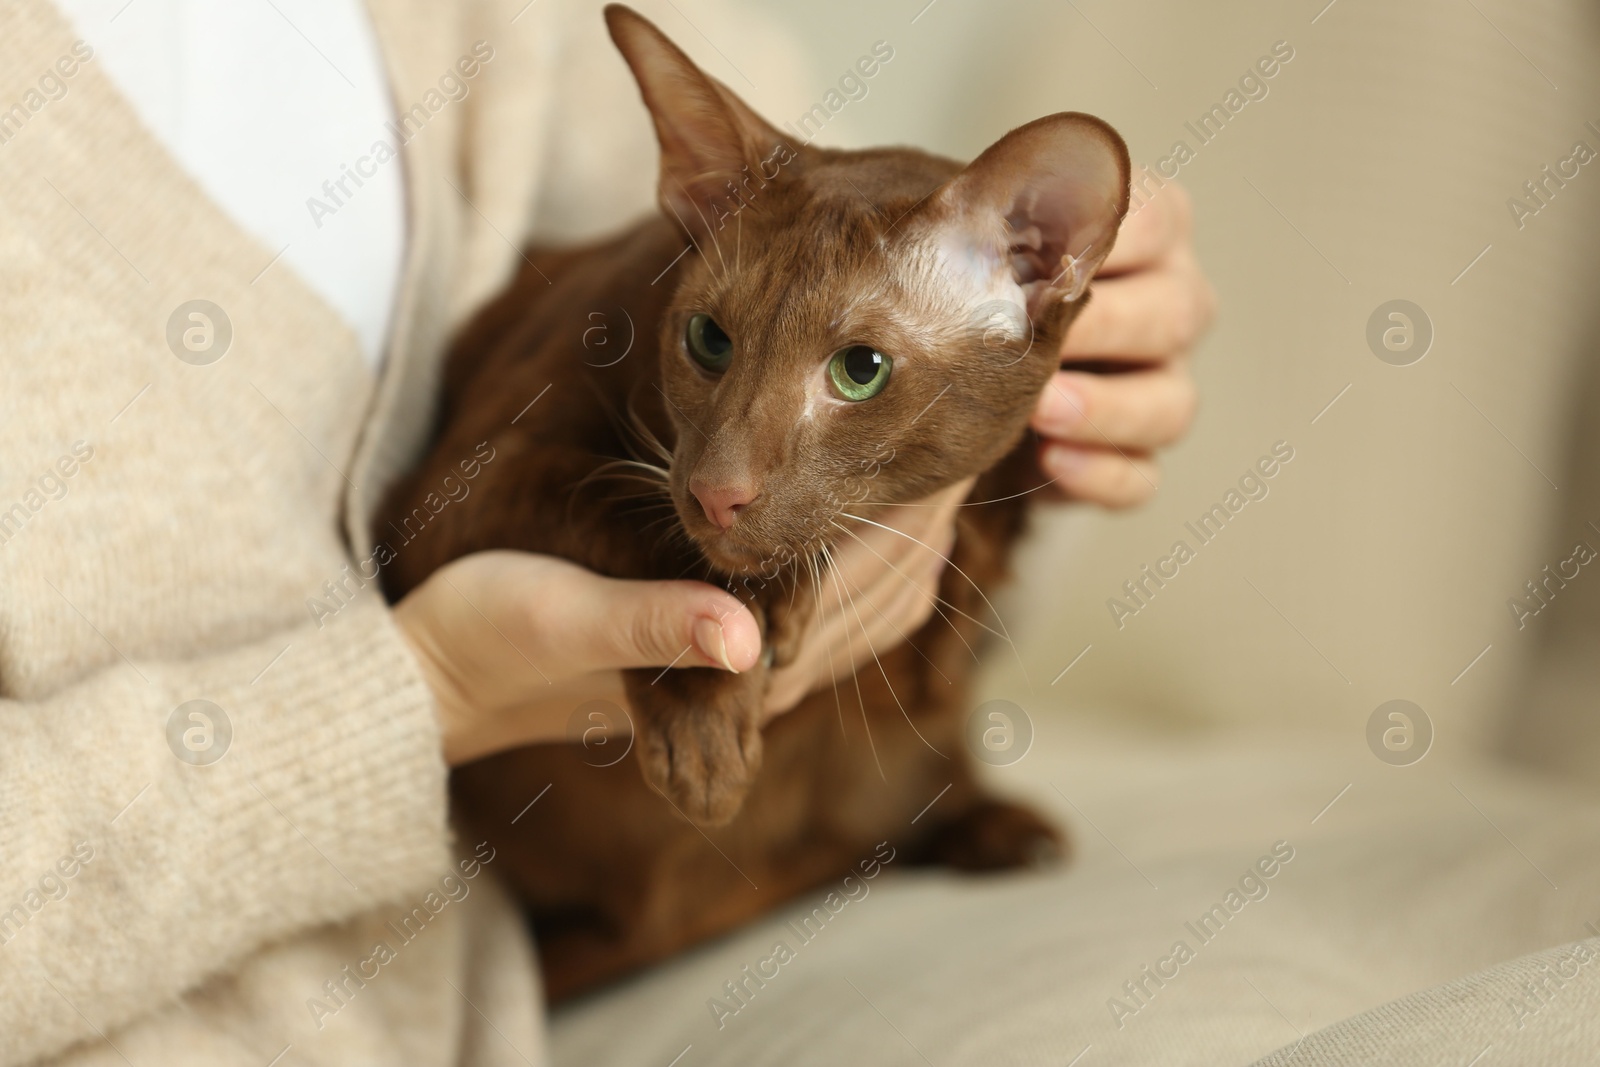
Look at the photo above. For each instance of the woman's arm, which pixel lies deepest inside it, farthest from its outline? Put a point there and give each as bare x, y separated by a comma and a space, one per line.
149, 843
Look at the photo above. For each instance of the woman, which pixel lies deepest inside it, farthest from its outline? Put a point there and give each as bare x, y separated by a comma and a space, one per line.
235, 244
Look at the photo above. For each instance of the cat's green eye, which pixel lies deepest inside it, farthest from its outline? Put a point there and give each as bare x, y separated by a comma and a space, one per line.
708, 344
859, 372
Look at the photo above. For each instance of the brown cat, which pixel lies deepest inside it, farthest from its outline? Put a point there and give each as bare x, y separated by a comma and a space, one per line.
845, 331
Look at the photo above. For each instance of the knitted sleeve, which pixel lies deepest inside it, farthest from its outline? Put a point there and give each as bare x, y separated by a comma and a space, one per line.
161, 821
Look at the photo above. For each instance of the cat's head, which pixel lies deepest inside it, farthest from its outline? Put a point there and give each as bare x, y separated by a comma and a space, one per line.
855, 327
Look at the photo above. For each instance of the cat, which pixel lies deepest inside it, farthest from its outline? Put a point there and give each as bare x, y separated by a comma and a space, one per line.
835, 332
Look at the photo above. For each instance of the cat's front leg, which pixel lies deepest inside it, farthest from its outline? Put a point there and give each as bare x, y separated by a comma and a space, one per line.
699, 736
700, 732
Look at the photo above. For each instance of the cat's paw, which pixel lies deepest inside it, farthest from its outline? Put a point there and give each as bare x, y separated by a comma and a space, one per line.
703, 759
996, 835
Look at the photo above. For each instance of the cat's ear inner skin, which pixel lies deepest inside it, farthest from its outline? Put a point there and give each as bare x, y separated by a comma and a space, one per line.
1046, 199
716, 153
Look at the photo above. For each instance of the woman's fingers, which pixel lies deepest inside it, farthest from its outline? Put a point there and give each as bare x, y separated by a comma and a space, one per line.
1150, 304
1108, 478
1151, 231
554, 618
621, 624
509, 641
1145, 316
1135, 411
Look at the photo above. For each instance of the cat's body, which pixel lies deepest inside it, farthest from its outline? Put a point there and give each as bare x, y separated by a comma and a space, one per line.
766, 464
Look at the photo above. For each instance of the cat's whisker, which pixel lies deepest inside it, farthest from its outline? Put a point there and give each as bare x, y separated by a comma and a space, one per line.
937, 599
655, 484
653, 523
686, 570
653, 502
634, 471
685, 227
654, 471
861, 701
631, 428
651, 491
794, 588
675, 534
964, 504
624, 470
859, 622
1005, 633
641, 430
815, 567
901, 632
715, 244
703, 222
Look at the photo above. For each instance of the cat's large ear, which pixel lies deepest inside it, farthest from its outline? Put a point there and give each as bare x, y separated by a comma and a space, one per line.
1046, 198
708, 136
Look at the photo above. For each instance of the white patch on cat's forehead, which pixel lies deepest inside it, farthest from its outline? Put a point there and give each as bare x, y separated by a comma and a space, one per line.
954, 275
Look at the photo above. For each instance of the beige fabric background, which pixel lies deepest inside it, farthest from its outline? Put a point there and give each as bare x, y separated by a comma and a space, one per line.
1401, 885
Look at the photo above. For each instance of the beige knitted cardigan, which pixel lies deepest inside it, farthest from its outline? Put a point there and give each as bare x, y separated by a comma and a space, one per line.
163, 523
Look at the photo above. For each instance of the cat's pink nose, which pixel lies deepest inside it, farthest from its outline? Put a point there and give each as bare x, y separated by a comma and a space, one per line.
722, 503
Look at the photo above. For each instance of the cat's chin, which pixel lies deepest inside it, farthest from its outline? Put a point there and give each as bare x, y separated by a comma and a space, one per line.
735, 559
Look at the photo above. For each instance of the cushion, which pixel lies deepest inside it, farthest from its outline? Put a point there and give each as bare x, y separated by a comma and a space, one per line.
1230, 893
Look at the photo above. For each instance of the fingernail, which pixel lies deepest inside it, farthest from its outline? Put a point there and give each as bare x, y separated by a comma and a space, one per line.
1064, 405
1062, 462
708, 638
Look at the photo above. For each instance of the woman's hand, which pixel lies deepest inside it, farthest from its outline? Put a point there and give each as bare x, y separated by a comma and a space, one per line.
880, 591
510, 643
1150, 304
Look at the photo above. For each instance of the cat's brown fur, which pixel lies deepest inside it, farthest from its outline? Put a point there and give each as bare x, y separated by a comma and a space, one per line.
798, 252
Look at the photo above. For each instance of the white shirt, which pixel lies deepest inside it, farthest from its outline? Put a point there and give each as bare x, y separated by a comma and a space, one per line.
262, 103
